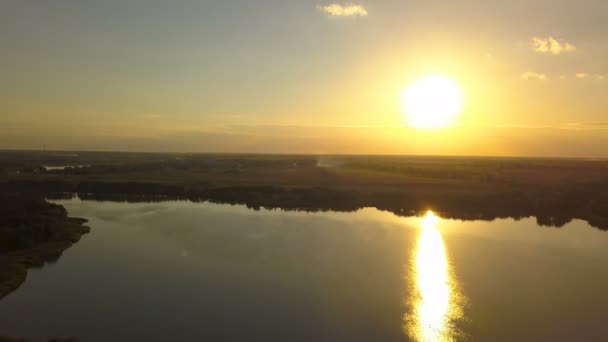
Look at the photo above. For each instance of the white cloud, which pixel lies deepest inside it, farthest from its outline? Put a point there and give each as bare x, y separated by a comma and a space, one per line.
530, 75
343, 10
597, 77
552, 46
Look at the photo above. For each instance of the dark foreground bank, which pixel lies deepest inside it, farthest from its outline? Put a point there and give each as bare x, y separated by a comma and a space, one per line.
32, 232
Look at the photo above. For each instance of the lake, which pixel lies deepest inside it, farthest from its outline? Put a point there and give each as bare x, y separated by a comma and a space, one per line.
63, 167
177, 271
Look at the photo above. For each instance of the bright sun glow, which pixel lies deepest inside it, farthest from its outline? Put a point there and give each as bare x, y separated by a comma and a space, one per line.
432, 102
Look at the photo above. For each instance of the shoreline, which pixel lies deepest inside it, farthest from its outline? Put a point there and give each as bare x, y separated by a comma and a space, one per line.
40, 238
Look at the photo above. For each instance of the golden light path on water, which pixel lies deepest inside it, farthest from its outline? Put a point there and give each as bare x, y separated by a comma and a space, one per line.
435, 303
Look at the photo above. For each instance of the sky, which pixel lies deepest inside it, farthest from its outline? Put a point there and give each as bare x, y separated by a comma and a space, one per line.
302, 76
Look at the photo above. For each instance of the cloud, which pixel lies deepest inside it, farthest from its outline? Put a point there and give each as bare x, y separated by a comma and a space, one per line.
552, 46
530, 75
343, 10
587, 125
597, 77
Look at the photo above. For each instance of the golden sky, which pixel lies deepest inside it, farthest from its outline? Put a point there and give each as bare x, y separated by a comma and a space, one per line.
299, 76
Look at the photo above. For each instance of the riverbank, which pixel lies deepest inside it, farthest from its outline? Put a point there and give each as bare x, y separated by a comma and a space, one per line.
33, 232
554, 191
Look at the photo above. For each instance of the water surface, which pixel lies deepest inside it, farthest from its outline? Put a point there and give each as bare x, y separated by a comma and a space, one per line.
192, 271
62, 167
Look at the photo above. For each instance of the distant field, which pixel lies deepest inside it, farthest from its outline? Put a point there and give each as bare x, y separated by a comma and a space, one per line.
554, 190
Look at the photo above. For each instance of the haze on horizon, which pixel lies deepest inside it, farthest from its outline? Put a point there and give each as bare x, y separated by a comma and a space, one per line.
300, 76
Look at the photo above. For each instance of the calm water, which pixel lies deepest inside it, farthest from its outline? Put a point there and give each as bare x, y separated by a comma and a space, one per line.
63, 167
180, 271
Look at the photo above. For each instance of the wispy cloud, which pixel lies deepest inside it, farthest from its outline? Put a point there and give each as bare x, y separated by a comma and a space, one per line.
343, 10
550, 45
530, 75
586, 125
587, 76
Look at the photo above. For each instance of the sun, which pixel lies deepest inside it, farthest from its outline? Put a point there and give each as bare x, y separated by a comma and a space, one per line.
432, 102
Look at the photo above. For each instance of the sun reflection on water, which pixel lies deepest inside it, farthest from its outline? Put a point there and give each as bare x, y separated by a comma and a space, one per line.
435, 301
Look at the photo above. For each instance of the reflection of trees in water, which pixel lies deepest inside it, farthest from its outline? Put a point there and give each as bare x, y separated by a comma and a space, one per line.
551, 211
